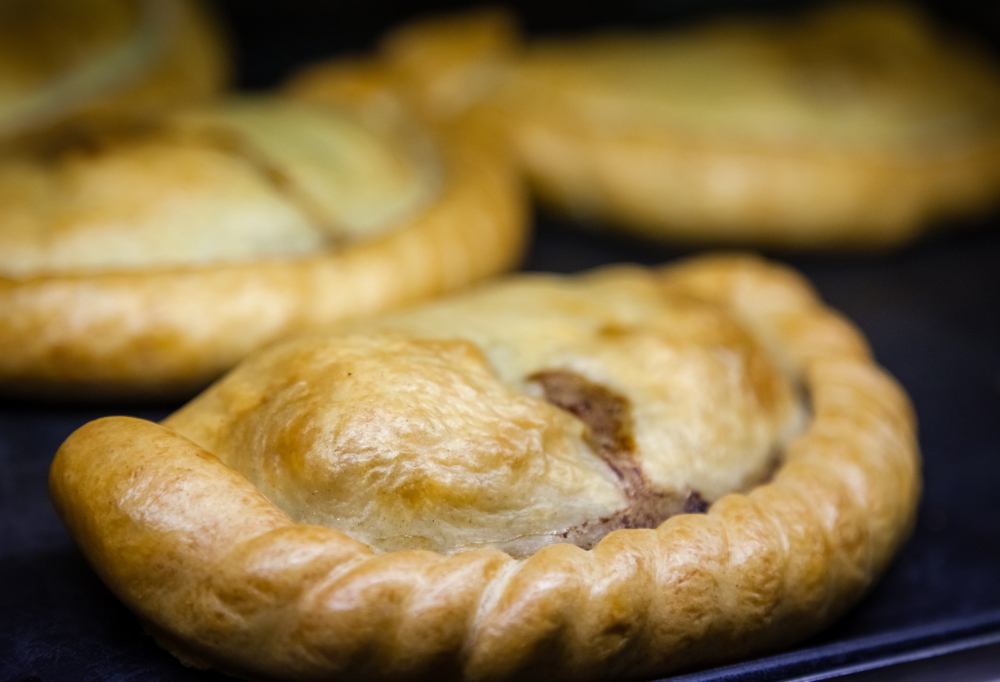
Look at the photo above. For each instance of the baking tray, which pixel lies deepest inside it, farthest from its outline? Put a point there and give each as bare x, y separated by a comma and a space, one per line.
931, 313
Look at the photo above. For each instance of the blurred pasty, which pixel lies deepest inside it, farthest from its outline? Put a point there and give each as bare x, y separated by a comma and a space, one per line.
851, 127
148, 258
613, 475
78, 60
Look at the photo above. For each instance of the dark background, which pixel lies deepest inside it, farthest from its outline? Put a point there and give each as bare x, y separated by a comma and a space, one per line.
930, 311
274, 37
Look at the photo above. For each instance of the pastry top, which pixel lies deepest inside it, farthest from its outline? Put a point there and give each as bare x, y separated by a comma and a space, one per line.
860, 76
245, 179
530, 412
64, 60
393, 423
855, 76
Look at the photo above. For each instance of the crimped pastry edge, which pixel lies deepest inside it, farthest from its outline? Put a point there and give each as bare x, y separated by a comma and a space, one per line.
168, 331
224, 580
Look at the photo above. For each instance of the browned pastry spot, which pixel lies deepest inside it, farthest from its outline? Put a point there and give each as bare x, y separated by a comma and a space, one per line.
608, 417
90, 141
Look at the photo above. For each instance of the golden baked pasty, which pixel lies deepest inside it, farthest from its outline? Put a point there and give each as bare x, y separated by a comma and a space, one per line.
80, 60
148, 258
619, 474
851, 127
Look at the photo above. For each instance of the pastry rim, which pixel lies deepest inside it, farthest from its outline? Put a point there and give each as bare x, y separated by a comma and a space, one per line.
758, 571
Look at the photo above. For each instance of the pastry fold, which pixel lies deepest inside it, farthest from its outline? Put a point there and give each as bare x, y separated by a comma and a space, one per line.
225, 580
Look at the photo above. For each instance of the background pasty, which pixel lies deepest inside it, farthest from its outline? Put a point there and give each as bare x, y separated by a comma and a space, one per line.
854, 126
278, 525
147, 257
76, 61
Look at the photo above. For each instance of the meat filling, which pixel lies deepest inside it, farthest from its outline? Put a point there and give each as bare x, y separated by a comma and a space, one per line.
608, 417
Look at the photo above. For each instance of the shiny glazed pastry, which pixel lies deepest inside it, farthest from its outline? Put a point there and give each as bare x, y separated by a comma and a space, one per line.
619, 474
851, 127
147, 258
79, 60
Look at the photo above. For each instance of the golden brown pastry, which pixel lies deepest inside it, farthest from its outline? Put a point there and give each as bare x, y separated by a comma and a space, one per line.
851, 127
148, 258
81, 60
615, 475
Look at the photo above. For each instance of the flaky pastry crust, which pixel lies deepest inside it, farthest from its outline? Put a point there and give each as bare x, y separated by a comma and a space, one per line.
854, 127
223, 579
169, 330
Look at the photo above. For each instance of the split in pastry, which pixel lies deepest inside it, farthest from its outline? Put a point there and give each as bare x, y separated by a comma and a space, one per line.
852, 127
618, 474
146, 257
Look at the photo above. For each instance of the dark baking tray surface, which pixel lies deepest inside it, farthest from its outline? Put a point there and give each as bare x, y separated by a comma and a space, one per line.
931, 313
